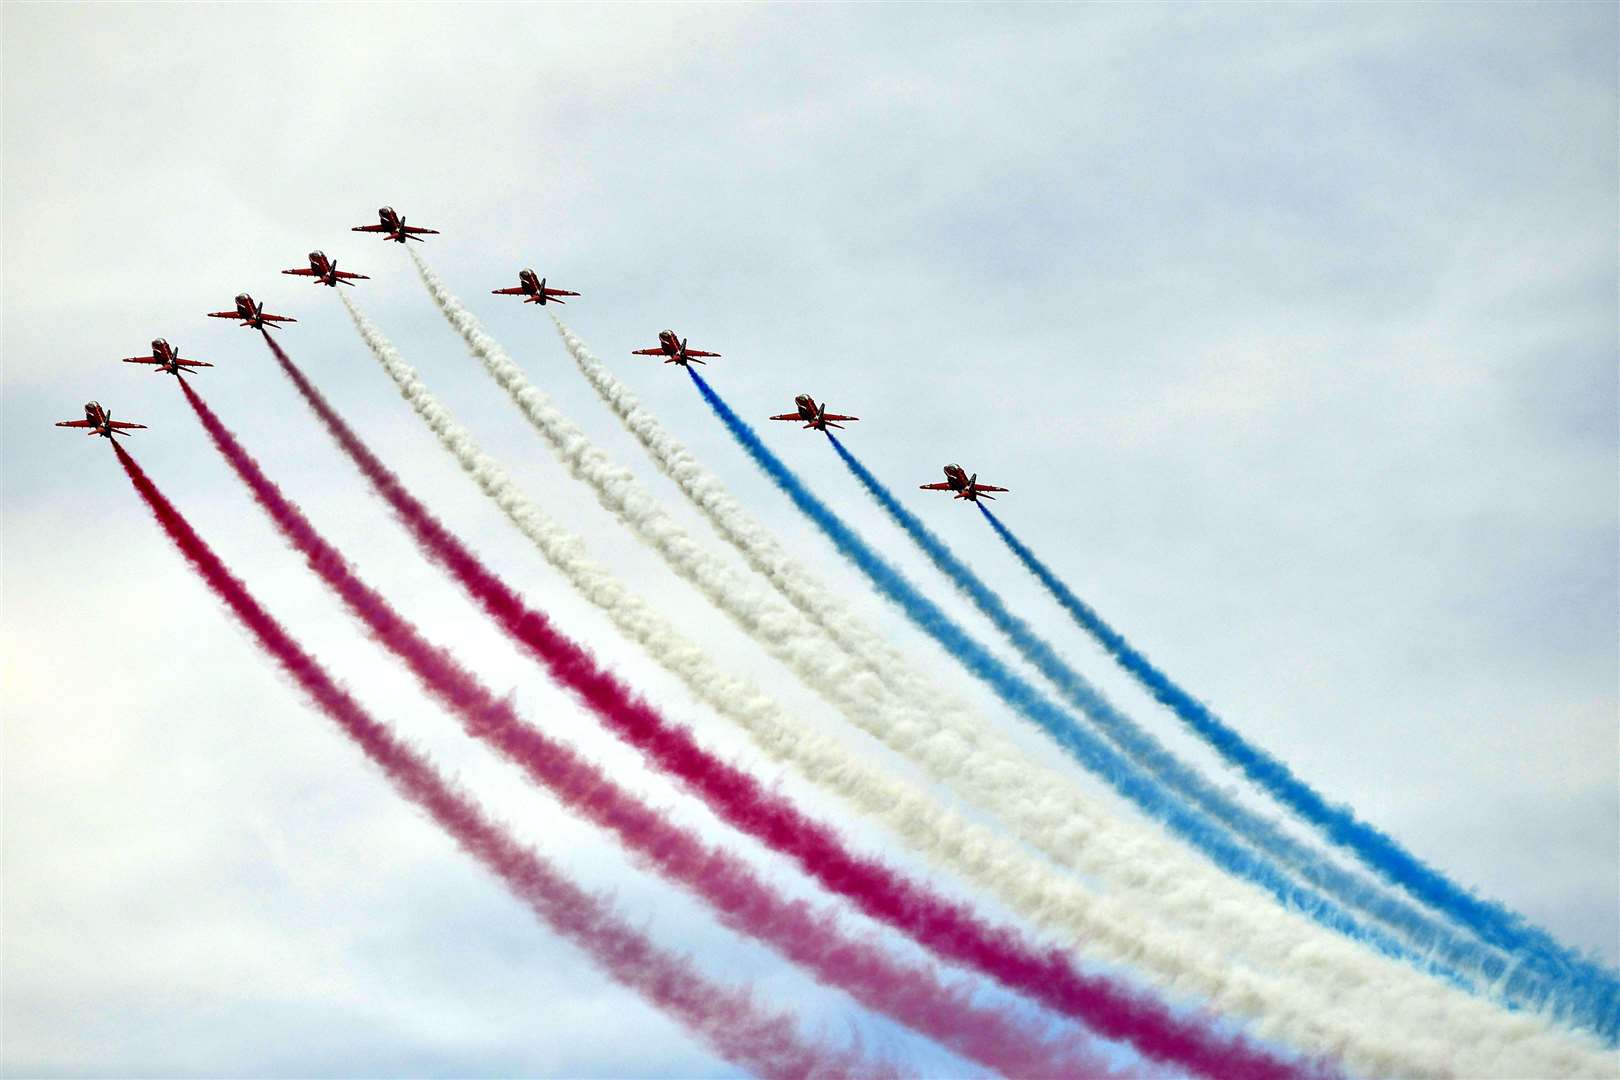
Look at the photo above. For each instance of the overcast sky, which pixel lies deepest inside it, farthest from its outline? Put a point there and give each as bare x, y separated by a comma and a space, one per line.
1292, 328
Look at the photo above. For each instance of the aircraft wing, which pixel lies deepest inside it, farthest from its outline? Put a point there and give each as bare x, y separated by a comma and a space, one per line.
942, 486
74, 423
278, 318
834, 416
344, 275
120, 424
413, 229
370, 228
559, 292
700, 352
788, 416
646, 352
181, 363
305, 272
987, 487
516, 290
224, 315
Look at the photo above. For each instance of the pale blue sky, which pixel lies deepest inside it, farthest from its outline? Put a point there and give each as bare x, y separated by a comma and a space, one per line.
1293, 329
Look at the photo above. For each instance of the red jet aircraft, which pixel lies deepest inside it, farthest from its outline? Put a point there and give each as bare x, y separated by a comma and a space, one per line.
251, 314
388, 221
167, 358
325, 271
533, 290
813, 415
99, 422
966, 487
673, 350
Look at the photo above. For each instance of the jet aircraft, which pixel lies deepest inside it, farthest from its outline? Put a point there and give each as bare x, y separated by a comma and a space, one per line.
389, 222
966, 487
167, 358
251, 314
325, 271
673, 350
99, 421
533, 290
813, 415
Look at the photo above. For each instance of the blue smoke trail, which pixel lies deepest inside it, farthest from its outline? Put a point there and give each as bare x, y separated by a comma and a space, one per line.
1533, 981
1188, 823
1490, 920
1182, 780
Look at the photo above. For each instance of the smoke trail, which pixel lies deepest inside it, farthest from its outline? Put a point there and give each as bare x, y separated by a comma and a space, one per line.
1193, 932
913, 994
1263, 932
1440, 942
949, 929
782, 631
793, 640
817, 602
1017, 693
726, 1020
1525, 983
1488, 918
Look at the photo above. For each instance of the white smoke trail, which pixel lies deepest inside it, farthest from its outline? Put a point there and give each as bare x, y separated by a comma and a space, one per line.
1318, 993
754, 543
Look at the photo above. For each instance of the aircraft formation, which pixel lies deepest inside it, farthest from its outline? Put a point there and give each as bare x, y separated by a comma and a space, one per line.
323, 270
1172, 795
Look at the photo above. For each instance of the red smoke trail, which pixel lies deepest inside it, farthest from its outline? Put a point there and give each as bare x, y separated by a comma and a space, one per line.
912, 994
944, 926
725, 1019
